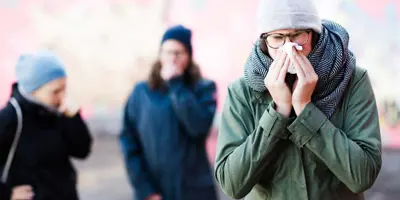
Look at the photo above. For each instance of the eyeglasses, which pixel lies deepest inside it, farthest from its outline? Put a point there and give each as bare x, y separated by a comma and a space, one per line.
173, 53
276, 40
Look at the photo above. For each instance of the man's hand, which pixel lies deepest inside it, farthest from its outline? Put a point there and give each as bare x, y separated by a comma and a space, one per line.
305, 84
276, 85
22, 192
154, 197
68, 110
170, 71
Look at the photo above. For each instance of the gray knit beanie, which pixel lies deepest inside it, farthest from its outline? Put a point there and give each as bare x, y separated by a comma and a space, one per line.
287, 14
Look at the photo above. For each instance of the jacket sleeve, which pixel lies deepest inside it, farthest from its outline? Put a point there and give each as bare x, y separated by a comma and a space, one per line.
194, 109
244, 151
77, 136
8, 126
5, 192
133, 154
352, 154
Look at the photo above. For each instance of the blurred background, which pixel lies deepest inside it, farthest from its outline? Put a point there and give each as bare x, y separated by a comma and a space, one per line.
108, 45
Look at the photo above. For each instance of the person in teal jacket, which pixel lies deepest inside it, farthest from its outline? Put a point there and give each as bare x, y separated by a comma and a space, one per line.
308, 133
166, 123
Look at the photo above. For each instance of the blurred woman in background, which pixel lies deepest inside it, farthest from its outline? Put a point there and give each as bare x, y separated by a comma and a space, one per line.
51, 133
166, 123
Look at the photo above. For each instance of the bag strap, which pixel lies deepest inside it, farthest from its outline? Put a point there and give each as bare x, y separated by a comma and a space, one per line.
11, 153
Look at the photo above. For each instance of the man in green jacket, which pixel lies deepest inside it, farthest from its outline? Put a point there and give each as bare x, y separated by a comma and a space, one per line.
311, 134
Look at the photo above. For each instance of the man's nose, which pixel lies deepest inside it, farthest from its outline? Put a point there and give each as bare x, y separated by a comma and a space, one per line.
174, 56
287, 39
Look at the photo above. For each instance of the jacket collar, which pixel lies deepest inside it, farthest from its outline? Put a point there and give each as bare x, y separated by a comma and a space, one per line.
30, 104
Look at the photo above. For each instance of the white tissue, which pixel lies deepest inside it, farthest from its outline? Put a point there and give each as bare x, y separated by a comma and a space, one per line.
288, 48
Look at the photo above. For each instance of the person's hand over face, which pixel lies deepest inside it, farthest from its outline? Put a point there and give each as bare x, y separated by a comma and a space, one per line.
276, 85
305, 84
170, 71
68, 109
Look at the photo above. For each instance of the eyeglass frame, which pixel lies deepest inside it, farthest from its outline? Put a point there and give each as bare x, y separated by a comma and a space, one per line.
174, 53
265, 36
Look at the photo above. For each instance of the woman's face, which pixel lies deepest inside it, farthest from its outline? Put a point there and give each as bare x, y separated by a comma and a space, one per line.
279, 37
174, 52
52, 93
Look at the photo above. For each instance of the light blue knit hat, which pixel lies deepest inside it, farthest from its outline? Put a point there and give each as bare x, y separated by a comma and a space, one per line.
35, 70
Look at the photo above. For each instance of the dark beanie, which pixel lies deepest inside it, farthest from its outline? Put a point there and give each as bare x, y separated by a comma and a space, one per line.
181, 34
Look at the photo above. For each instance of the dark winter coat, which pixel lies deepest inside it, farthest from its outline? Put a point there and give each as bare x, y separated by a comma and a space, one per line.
163, 140
42, 159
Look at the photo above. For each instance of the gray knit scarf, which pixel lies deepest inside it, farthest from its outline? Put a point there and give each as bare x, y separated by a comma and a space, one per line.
331, 59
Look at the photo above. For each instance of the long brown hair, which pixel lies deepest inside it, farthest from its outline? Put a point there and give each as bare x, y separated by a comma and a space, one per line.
191, 75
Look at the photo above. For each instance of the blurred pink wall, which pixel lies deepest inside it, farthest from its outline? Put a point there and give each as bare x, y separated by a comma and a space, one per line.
224, 32
222, 38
